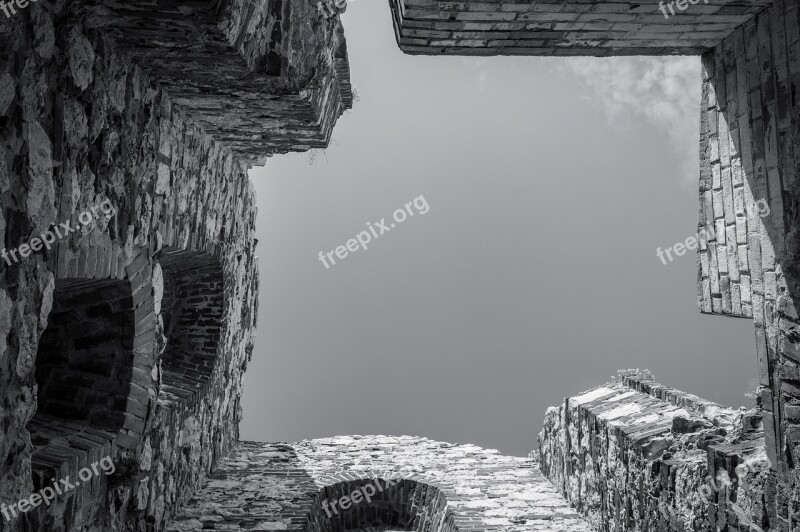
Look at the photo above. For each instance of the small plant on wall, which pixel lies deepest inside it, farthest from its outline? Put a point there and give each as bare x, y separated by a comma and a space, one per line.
638, 374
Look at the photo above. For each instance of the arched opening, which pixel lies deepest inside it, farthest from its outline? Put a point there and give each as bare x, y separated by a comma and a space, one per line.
191, 310
84, 370
377, 504
84, 362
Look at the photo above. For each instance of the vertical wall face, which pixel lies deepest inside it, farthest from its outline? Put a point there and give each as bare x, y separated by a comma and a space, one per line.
155, 108
130, 104
749, 193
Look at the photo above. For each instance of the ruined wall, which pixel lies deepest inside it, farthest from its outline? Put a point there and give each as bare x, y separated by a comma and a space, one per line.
84, 121
750, 117
215, 68
425, 486
749, 253
552, 28
642, 456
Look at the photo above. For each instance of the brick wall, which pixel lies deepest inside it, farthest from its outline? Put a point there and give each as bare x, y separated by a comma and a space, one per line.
564, 28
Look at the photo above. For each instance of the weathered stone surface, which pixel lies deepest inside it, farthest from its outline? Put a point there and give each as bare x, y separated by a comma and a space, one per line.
163, 134
425, 485
157, 109
642, 456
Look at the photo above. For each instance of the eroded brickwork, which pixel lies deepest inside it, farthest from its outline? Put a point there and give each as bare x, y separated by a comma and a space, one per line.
431, 486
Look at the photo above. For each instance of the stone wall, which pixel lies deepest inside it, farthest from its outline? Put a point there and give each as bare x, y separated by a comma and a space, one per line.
219, 70
114, 103
750, 199
424, 486
750, 116
506, 27
642, 456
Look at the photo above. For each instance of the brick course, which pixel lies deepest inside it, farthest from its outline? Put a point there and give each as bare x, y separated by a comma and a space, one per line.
506, 27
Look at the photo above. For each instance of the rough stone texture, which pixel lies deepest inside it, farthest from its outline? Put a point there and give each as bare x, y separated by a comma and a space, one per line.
439, 486
159, 107
635, 456
152, 108
252, 101
590, 27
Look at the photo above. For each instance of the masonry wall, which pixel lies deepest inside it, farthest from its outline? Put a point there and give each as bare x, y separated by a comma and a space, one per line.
749, 193
257, 93
553, 28
107, 128
424, 486
85, 121
642, 456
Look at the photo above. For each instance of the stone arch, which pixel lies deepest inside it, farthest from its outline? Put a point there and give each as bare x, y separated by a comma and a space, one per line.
191, 308
409, 502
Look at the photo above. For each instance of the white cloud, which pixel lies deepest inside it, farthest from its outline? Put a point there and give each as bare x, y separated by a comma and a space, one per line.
664, 91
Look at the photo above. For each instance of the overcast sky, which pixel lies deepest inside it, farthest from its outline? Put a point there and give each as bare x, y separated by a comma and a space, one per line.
532, 276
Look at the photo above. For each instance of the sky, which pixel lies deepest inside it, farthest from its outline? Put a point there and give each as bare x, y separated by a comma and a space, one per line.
547, 185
